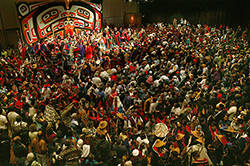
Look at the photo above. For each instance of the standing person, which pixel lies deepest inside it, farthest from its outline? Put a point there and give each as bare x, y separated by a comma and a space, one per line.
175, 22
70, 154
20, 151
40, 148
89, 52
69, 29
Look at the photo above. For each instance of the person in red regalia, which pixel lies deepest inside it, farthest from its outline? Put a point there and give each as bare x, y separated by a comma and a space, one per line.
69, 29
89, 51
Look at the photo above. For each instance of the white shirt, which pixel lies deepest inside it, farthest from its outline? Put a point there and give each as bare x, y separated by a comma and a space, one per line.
107, 91
177, 110
152, 107
97, 81
104, 75
156, 83
32, 111
164, 78
85, 150
33, 135
3, 122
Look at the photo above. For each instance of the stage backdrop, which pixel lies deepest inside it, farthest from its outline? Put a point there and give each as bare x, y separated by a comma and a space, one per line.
42, 19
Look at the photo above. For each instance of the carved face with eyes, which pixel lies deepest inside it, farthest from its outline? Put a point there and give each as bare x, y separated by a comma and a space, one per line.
83, 13
40, 20
50, 16
56, 18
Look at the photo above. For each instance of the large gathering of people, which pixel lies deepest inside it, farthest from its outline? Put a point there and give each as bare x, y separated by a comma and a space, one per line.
156, 95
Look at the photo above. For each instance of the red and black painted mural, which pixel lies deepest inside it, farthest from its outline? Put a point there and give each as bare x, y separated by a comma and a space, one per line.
40, 20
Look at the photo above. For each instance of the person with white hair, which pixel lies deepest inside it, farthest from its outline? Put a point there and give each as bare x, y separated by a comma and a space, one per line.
12, 116
3, 121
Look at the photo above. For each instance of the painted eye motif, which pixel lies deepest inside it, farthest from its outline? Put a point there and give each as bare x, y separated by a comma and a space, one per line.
65, 23
46, 17
61, 26
83, 13
54, 12
48, 29
50, 15
23, 8
80, 11
86, 13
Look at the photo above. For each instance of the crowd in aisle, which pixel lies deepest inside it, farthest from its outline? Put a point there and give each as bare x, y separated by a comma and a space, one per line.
155, 95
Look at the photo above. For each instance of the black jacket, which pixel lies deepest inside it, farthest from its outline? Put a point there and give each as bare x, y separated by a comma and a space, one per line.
19, 149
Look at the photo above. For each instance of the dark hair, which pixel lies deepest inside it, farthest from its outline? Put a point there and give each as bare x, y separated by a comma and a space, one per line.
18, 119
174, 153
49, 131
40, 136
68, 142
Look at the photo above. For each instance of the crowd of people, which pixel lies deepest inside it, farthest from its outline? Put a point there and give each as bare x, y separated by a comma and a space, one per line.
159, 95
